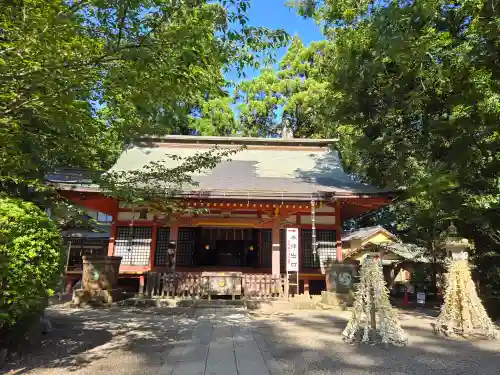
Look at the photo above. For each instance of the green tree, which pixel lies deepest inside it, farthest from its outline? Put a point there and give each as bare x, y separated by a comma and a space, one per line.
258, 104
30, 260
301, 88
414, 95
290, 95
79, 79
216, 117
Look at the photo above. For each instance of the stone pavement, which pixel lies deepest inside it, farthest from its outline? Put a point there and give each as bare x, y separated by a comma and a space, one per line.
218, 341
221, 343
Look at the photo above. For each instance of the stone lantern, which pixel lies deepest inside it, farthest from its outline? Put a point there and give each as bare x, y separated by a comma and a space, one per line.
456, 247
462, 312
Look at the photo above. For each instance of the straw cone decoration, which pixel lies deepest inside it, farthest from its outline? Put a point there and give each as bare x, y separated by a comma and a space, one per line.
372, 293
463, 311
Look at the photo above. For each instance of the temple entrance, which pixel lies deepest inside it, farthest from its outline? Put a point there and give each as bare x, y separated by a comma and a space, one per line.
234, 247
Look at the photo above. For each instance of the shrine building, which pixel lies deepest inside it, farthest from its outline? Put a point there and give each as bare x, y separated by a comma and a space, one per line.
248, 201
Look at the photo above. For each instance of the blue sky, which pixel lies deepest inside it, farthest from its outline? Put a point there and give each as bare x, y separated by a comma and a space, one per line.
274, 14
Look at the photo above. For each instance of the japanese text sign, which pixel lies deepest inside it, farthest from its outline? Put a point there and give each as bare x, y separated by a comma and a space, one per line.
292, 250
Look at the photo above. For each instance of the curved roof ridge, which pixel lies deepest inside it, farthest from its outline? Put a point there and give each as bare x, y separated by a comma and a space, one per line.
237, 140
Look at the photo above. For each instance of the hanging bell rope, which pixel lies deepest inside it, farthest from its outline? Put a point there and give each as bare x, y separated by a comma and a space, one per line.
313, 226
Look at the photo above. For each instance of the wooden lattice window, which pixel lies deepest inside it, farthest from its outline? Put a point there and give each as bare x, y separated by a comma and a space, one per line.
161, 251
226, 234
243, 234
185, 246
308, 260
326, 250
327, 246
78, 247
133, 244
237, 234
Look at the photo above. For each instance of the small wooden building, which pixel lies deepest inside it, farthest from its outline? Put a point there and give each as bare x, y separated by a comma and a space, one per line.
355, 240
271, 185
399, 260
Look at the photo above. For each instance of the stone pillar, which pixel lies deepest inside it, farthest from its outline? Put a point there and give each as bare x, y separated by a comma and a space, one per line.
339, 280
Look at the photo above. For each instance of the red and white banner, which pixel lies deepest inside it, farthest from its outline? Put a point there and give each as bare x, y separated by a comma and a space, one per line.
292, 250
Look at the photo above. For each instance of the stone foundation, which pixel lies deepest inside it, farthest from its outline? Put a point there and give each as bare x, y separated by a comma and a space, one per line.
337, 299
82, 297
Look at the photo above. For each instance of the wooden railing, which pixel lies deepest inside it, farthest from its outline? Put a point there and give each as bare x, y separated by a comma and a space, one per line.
192, 284
179, 284
262, 285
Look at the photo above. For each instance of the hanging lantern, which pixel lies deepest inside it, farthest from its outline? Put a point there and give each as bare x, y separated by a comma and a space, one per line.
251, 248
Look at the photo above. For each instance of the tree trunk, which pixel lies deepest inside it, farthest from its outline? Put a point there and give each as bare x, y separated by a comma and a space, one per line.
433, 265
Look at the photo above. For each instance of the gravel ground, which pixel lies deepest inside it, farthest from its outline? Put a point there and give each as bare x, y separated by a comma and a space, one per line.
136, 341
105, 342
309, 342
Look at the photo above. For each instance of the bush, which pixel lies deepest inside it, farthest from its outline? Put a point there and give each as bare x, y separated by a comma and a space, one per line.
31, 260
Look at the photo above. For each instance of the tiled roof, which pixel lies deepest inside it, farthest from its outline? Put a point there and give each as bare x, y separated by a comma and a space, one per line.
72, 178
274, 167
84, 233
408, 251
365, 232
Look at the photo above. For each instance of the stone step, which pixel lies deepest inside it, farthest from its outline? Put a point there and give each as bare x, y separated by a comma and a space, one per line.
219, 303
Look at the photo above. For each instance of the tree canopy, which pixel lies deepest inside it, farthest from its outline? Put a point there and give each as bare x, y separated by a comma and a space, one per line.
79, 79
290, 95
411, 89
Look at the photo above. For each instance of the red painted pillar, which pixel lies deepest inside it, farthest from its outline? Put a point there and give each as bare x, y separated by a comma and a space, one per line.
141, 284
275, 260
69, 284
338, 231
174, 238
275, 256
153, 247
405, 297
306, 286
260, 248
174, 232
111, 243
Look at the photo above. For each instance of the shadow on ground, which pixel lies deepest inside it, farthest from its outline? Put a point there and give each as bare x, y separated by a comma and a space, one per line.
310, 343
82, 337
135, 341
